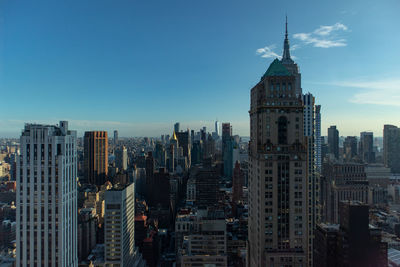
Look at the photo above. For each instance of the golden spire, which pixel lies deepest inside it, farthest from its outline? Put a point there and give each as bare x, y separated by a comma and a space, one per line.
174, 136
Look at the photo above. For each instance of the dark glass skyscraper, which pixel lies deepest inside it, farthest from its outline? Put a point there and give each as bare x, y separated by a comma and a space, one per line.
227, 149
391, 147
367, 153
333, 141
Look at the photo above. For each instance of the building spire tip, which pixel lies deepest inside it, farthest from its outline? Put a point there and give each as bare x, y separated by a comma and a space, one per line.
286, 52
286, 27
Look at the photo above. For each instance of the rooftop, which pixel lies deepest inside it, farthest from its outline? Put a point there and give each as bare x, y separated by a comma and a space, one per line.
119, 187
330, 227
276, 69
394, 256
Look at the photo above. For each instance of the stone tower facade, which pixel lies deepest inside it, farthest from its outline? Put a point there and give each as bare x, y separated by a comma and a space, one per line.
279, 188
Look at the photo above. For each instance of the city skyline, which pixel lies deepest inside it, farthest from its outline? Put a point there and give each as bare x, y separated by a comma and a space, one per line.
158, 62
133, 130
199, 133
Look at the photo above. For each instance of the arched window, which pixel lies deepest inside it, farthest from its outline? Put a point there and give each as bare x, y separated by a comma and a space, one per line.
282, 130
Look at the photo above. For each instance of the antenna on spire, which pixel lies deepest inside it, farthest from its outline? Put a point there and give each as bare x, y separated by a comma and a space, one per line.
286, 50
286, 27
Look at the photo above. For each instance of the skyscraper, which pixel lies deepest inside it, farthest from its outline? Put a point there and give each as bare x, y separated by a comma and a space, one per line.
333, 141
359, 244
119, 233
206, 178
237, 183
209, 147
96, 157
115, 138
217, 126
309, 113
227, 149
313, 177
150, 184
173, 154
226, 130
47, 197
342, 181
184, 143
121, 158
318, 138
88, 222
177, 127
160, 155
278, 164
353, 242
367, 153
391, 147
350, 147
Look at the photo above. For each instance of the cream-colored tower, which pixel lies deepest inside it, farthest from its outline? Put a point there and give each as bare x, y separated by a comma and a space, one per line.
47, 197
278, 171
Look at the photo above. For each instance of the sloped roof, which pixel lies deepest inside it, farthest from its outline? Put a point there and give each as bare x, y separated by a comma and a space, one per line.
276, 69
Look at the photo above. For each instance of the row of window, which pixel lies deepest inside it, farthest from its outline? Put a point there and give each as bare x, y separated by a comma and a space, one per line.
280, 86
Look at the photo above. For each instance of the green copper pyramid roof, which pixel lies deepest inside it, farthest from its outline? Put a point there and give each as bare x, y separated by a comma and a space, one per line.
276, 69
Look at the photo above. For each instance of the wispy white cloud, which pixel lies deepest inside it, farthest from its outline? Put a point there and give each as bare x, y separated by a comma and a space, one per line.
268, 52
294, 47
326, 30
378, 92
324, 36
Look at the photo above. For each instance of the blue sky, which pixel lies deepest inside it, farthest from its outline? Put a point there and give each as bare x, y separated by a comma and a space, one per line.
140, 66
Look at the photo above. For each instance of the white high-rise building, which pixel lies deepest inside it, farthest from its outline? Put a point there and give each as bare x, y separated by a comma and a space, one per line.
119, 232
308, 101
121, 158
47, 197
318, 152
311, 132
217, 127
